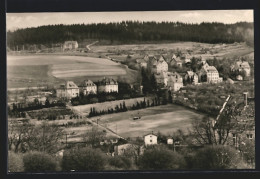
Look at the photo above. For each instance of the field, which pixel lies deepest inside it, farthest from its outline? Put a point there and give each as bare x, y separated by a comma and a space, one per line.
166, 119
35, 70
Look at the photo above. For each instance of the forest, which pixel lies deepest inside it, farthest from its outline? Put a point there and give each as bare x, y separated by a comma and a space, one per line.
134, 32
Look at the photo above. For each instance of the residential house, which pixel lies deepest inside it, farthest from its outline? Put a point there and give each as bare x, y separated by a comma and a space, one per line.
191, 77
169, 141
142, 63
175, 82
107, 85
88, 87
150, 139
68, 90
70, 45
157, 65
209, 74
161, 78
241, 66
176, 61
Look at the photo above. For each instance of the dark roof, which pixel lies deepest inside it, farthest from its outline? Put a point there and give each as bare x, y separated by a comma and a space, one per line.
107, 81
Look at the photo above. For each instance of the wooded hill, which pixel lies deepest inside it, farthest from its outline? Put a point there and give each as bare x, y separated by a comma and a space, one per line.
134, 31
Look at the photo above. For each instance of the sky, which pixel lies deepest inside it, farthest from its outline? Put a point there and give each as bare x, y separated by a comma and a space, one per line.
24, 20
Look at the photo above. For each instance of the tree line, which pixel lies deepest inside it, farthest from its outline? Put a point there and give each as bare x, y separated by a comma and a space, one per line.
133, 31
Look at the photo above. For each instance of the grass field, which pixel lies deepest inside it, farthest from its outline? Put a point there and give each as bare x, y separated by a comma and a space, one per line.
166, 119
24, 71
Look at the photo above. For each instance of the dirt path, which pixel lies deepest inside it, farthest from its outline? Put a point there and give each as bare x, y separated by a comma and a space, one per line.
88, 46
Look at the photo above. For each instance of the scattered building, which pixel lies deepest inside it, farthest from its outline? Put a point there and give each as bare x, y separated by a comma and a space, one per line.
150, 139
125, 149
176, 61
68, 90
175, 82
239, 77
88, 87
241, 66
70, 45
107, 85
209, 74
169, 141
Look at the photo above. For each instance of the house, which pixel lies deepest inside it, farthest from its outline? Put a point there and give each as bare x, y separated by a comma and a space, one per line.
126, 149
209, 74
176, 61
107, 85
70, 45
191, 77
68, 90
241, 66
150, 139
239, 77
161, 78
175, 82
169, 141
88, 87
142, 63
157, 65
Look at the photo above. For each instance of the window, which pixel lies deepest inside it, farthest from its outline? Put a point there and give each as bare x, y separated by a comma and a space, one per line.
249, 136
151, 141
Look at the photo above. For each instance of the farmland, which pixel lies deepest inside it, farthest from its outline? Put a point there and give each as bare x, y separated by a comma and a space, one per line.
24, 71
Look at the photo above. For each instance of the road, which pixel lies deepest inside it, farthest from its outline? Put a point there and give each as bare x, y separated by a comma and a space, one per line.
88, 46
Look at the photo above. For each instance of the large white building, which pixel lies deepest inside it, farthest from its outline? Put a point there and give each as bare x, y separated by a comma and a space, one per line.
107, 85
210, 73
68, 90
88, 87
150, 139
69, 45
191, 77
241, 66
159, 65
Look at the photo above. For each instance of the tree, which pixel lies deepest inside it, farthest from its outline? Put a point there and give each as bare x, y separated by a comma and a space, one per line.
39, 162
159, 158
217, 157
94, 137
83, 159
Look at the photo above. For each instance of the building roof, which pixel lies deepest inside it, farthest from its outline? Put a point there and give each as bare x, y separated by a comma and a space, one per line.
87, 83
107, 81
69, 85
151, 133
242, 64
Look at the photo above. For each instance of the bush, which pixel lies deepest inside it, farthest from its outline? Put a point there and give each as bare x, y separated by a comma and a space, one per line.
83, 159
159, 158
15, 162
217, 157
39, 162
120, 162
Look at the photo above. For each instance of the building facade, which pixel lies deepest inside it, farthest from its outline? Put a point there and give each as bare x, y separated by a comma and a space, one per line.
68, 90
191, 77
69, 45
107, 85
88, 87
175, 82
241, 66
210, 73
159, 66
150, 139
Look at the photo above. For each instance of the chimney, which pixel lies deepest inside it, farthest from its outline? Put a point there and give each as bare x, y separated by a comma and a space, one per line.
245, 98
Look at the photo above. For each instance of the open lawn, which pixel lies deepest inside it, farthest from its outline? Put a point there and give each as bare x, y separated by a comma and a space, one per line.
166, 119
34, 70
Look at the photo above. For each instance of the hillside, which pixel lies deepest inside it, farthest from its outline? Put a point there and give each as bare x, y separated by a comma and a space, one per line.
132, 32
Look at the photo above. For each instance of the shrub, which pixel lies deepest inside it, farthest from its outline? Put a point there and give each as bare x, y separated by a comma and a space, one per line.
39, 162
15, 162
83, 159
216, 157
120, 162
159, 158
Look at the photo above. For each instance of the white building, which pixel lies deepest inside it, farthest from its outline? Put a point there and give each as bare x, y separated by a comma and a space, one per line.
107, 85
125, 149
170, 141
211, 74
69, 45
88, 87
150, 139
241, 66
175, 82
68, 90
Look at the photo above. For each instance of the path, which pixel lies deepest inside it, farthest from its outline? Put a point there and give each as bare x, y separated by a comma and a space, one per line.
88, 46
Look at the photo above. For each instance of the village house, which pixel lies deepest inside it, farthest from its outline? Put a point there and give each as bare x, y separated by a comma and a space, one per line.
70, 45
176, 61
150, 139
191, 77
158, 65
175, 82
241, 66
107, 85
68, 90
209, 74
169, 141
161, 78
88, 87
142, 63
